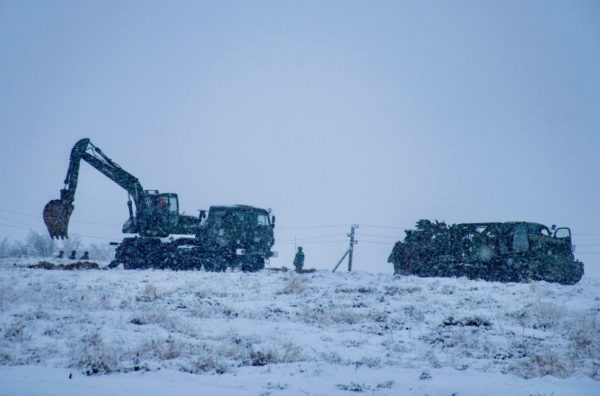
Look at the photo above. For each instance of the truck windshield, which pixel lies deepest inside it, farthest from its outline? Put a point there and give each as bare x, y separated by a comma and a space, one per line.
263, 219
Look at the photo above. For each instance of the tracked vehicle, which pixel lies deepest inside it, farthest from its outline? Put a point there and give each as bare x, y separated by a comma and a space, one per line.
505, 252
229, 236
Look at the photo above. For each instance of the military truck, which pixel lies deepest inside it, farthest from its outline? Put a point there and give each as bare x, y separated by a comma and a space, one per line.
507, 252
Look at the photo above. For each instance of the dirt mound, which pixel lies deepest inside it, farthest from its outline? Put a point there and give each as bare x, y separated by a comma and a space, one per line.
79, 265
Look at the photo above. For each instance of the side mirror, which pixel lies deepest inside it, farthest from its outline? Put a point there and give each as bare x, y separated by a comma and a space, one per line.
202, 214
272, 221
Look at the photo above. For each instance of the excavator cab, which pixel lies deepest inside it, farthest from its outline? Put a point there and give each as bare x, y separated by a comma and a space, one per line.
57, 214
165, 207
160, 217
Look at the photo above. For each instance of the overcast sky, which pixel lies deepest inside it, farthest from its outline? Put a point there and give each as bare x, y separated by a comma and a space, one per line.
330, 113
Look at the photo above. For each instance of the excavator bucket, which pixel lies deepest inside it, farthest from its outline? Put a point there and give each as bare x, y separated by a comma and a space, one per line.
56, 216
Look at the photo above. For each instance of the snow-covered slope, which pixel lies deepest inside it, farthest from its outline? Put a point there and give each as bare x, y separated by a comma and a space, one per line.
164, 332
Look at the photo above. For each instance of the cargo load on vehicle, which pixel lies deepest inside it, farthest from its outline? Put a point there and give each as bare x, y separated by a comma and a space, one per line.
506, 252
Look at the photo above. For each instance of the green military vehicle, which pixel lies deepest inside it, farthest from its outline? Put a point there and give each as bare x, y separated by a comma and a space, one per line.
230, 236
505, 252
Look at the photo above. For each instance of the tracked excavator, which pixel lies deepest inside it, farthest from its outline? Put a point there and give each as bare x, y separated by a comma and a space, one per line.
238, 236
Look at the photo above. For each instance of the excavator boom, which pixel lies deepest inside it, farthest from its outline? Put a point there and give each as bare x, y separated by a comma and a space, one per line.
57, 212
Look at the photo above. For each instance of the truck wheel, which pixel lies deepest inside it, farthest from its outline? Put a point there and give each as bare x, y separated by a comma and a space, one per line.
253, 264
214, 264
221, 264
208, 265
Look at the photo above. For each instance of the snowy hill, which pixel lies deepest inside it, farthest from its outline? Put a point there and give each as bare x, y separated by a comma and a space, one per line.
280, 333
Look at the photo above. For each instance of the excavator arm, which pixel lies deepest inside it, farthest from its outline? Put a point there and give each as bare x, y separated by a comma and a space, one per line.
58, 211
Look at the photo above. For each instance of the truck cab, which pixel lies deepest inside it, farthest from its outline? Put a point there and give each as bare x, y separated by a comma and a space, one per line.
242, 233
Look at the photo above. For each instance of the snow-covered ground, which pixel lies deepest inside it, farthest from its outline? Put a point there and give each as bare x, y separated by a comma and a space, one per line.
151, 332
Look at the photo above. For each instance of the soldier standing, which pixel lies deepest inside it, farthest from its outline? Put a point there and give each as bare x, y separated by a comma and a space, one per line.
299, 260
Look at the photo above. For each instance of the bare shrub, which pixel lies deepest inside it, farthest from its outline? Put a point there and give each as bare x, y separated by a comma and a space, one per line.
164, 349
584, 336
207, 363
345, 316
276, 352
94, 357
15, 331
331, 357
378, 316
359, 388
540, 366
414, 313
432, 359
473, 321
149, 294
361, 289
276, 386
328, 315
353, 387
290, 352
396, 290
264, 356
295, 285
206, 307
40, 245
4, 248
540, 315
18, 249
251, 351
155, 315
368, 361
73, 243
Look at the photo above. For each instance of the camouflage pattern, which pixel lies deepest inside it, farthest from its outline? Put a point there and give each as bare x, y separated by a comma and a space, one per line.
505, 252
237, 236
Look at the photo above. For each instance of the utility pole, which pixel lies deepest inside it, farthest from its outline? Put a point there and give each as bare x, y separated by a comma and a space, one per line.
351, 247
350, 250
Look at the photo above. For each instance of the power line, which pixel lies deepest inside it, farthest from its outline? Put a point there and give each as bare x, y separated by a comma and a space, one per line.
17, 222
40, 229
313, 227
74, 221
385, 226
19, 213
311, 242
380, 236
307, 227
312, 237
19, 227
